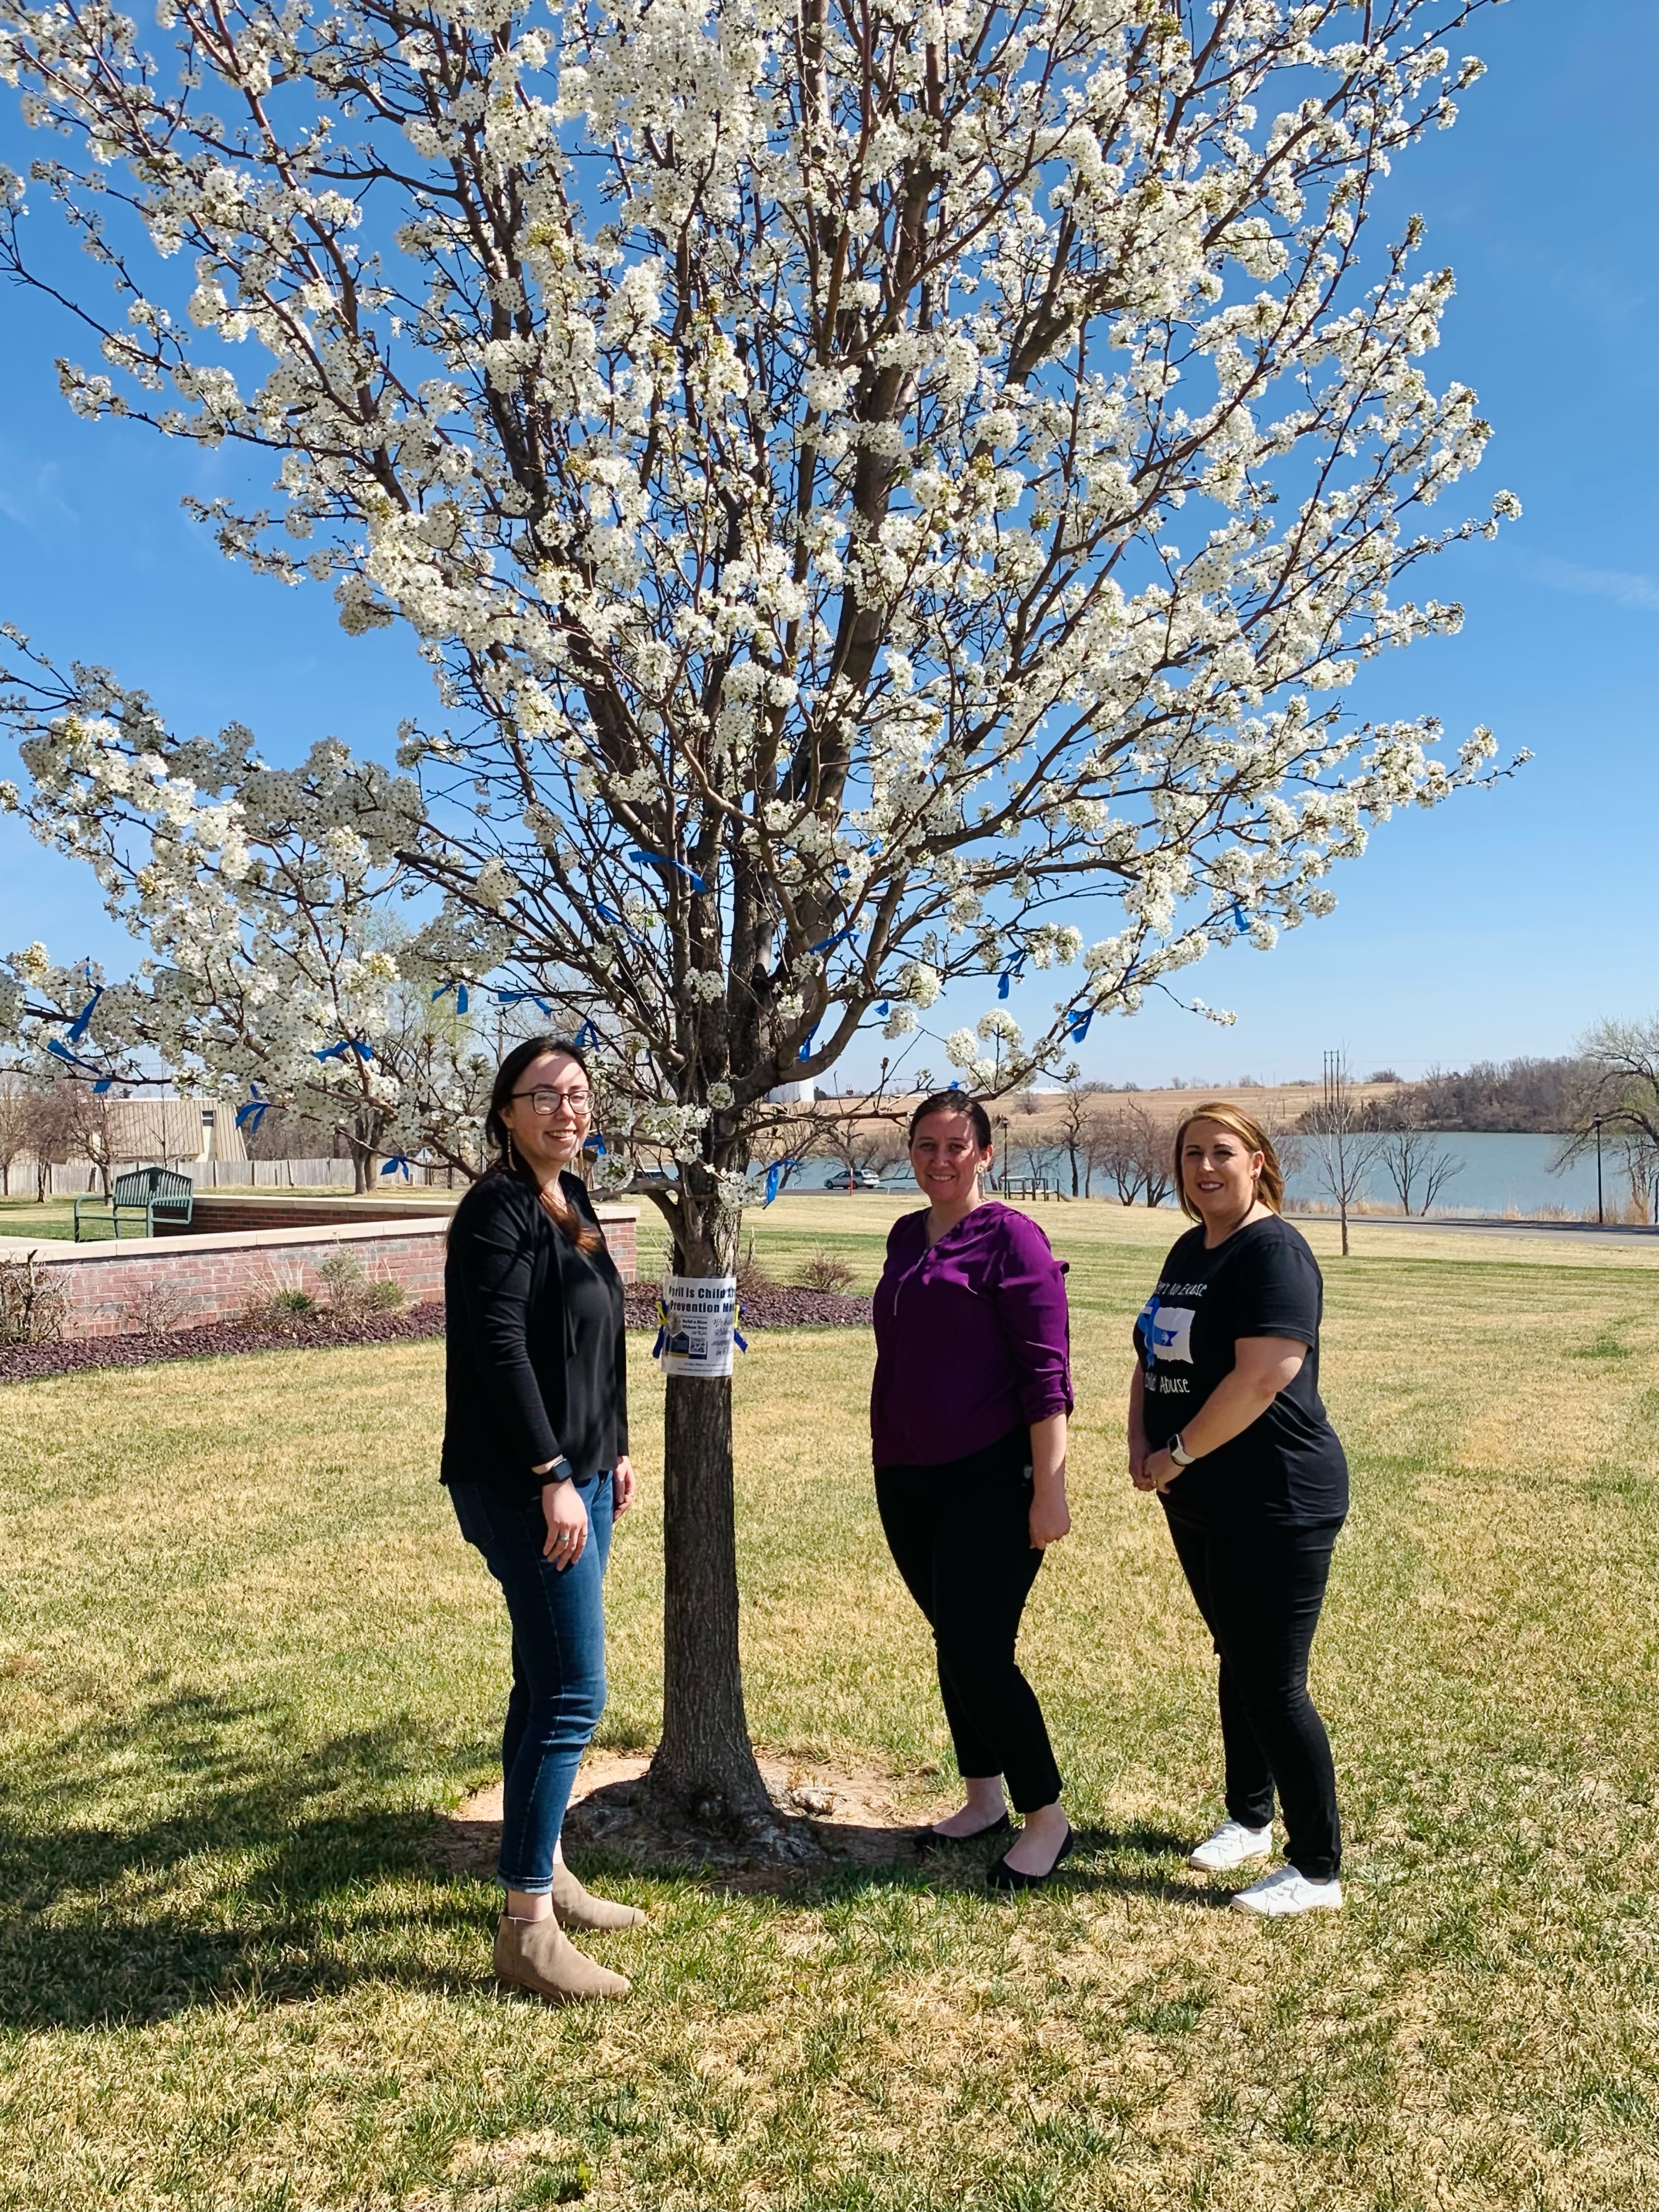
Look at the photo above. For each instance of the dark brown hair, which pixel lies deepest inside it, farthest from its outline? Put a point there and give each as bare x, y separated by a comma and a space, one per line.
1270, 1183
566, 1219
954, 1102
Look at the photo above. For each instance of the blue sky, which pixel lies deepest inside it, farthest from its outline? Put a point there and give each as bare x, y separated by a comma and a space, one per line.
1501, 923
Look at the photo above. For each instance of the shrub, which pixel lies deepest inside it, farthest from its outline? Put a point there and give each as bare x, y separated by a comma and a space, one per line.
159, 1310
32, 1304
826, 1271
280, 1305
385, 1296
751, 1275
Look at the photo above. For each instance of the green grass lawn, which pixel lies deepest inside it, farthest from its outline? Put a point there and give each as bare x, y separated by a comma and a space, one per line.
24, 1217
245, 1655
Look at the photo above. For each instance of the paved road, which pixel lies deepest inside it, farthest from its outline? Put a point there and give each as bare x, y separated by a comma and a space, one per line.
1487, 1226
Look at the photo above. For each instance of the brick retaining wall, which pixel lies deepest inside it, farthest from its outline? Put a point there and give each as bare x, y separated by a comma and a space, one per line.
116, 1289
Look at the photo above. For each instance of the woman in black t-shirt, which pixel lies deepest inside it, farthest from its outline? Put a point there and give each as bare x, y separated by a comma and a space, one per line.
1226, 1425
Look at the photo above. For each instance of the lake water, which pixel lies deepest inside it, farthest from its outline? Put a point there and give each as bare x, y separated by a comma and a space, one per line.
1500, 1173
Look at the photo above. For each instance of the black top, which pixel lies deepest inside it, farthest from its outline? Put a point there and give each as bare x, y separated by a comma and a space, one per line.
1287, 1467
536, 1361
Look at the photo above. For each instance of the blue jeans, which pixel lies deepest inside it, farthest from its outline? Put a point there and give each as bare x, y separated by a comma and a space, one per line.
558, 1664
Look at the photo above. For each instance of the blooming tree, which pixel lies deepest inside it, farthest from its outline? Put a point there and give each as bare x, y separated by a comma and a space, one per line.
890, 493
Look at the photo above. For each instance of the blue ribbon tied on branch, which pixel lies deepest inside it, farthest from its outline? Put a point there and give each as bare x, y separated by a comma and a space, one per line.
774, 1175
345, 1045
60, 1050
461, 996
824, 943
1076, 1022
586, 1036
77, 1028
805, 1052
399, 1163
517, 998
609, 914
1010, 975
640, 855
249, 1117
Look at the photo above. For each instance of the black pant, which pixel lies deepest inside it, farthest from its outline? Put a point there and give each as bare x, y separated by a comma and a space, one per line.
960, 1535
1260, 1590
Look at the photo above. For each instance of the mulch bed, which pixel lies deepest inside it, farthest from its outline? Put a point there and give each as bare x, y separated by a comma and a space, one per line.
783, 1308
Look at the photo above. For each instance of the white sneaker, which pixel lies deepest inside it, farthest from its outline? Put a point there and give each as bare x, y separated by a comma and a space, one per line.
1286, 1891
1232, 1845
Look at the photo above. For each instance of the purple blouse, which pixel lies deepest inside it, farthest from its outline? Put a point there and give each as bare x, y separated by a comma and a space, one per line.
972, 1337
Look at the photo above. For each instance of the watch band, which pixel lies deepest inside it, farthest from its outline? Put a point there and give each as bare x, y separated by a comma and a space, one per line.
560, 1471
1178, 1451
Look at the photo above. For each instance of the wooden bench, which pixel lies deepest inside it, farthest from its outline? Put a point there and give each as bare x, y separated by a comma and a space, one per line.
154, 1193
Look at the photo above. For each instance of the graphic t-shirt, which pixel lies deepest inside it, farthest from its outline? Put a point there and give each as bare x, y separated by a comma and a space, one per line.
1287, 1467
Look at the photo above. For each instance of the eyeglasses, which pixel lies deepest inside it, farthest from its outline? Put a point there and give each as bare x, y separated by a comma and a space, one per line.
547, 1103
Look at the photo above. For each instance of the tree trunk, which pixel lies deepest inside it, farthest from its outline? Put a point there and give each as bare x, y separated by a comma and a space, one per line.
704, 1765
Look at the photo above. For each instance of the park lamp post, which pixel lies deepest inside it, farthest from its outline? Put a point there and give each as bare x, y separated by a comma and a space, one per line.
1597, 1119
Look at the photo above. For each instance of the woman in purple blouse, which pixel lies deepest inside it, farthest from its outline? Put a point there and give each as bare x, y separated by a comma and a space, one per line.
967, 1424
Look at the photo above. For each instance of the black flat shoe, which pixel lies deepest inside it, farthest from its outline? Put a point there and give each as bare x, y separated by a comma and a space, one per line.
1001, 1876
931, 1840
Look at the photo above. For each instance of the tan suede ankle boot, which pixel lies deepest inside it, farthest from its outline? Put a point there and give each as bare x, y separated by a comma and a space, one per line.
576, 1908
537, 1954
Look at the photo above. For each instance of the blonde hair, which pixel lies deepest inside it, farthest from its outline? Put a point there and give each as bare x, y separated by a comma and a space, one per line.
1270, 1183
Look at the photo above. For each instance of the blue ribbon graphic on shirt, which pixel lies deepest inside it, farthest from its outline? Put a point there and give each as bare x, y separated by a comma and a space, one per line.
1154, 1337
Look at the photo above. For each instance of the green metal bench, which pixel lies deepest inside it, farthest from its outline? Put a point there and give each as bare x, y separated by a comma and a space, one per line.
154, 1193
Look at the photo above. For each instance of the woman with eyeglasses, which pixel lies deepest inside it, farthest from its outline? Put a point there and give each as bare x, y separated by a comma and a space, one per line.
535, 1456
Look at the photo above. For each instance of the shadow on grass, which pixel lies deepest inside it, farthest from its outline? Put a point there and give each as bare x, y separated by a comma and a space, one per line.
244, 1885
612, 1831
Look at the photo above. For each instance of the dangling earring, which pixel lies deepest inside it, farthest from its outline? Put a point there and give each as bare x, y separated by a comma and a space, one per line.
507, 1139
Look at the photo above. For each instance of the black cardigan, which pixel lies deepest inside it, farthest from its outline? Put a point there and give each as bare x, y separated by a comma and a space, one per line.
536, 1351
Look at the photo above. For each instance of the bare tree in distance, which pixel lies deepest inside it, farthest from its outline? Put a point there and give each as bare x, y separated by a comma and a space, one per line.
1077, 1101
1615, 1096
863, 1130
1417, 1165
16, 1105
1618, 1081
1155, 1156
1342, 1149
1132, 1148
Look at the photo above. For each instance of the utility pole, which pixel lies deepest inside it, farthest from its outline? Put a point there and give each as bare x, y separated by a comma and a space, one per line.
1600, 1214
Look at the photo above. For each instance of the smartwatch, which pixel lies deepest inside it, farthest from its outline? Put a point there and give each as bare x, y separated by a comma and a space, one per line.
1178, 1451
560, 1471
